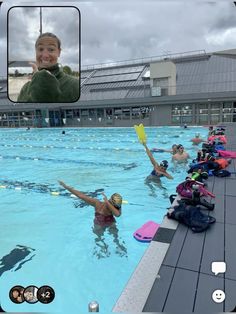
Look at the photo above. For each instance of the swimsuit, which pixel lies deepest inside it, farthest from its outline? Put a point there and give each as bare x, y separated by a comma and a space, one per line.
103, 220
153, 173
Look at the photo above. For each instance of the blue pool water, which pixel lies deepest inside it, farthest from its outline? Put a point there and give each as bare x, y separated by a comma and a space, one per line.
55, 231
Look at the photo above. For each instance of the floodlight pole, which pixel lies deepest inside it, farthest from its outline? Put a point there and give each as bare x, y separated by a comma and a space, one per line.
40, 20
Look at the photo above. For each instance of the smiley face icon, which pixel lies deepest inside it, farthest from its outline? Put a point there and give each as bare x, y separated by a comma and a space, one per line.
218, 296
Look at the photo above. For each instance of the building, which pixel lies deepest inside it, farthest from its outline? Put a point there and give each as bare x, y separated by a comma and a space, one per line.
196, 88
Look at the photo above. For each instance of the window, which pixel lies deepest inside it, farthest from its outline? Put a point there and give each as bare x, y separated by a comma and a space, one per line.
135, 113
175, 119
118, 113
215, 118
227, 118
126, 114
203, 109
100, 113
203, 118
215, 109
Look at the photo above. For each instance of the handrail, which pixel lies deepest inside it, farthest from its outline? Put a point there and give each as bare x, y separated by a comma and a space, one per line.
144, 60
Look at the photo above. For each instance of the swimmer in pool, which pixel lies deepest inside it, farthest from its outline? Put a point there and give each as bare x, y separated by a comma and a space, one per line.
104, 219
197, 139
181, 156
159, 170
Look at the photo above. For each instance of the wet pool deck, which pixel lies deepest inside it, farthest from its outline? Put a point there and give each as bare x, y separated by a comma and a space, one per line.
175, 274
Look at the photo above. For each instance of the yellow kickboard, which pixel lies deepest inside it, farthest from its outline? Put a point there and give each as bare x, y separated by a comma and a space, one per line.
141, 133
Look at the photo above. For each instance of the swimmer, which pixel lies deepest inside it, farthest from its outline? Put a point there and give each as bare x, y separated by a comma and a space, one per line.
181, 155
197, 139
104, 219
159, 170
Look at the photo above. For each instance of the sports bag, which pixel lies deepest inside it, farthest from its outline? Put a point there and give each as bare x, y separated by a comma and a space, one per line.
222, 173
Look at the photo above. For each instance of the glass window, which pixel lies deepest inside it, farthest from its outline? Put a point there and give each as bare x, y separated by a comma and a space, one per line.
187, 119
118, 113
100, 113
126, 114
175, 119
215, 108
203, 118
136, 112
84, 112
227, 118
215, 118
92, 113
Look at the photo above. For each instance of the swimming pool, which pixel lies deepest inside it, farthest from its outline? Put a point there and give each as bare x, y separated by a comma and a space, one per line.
46, 234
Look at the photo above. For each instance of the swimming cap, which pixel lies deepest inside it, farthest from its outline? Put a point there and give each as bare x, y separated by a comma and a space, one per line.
164, 164
116, 200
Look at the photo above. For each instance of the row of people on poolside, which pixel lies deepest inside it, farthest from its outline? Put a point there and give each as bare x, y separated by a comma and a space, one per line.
215, 131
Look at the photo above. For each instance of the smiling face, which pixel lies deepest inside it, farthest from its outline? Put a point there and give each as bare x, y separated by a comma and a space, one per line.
47, 52
218, 296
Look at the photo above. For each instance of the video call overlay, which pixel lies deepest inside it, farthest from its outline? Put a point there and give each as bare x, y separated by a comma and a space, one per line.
31, 294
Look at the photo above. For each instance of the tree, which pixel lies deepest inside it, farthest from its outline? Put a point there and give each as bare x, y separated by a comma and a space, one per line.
67, 70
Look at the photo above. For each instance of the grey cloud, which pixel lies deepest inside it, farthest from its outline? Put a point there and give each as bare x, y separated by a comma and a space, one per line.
113, 31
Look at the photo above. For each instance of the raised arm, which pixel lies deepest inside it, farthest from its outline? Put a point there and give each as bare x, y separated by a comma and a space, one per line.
153, 161
82, 196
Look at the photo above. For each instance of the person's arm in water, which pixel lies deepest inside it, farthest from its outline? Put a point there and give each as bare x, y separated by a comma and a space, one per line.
153, 161
162, 150
82, 196
116, 212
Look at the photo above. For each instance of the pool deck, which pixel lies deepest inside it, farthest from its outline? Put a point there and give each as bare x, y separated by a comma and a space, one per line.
175, 273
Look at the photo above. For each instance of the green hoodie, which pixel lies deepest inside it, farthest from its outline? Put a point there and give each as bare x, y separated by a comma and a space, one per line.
50, 85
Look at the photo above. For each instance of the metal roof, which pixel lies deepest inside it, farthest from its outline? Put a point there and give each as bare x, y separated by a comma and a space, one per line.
196, 77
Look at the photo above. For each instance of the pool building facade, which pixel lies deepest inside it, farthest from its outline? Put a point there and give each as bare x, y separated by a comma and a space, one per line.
196, 88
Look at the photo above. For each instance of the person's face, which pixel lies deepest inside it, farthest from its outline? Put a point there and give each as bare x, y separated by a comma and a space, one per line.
47, 52
15, 294
163, 168
181, 149
174, 148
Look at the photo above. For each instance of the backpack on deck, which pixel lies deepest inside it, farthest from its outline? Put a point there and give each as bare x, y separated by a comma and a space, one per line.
192, 217
222, 173
185, 189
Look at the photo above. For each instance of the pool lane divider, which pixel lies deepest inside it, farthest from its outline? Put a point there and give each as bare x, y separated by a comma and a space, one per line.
137, 290
80, 162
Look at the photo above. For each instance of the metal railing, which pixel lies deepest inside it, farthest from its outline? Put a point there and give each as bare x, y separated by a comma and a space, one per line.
144, 60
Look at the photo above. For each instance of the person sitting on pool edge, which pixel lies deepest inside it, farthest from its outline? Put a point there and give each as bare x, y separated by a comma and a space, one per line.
159, 170
49, 83
104, 219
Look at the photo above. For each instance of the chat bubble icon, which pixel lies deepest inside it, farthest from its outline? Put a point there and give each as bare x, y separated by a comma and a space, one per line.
218, 267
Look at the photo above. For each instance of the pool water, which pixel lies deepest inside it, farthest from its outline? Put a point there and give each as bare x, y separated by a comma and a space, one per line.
47, 236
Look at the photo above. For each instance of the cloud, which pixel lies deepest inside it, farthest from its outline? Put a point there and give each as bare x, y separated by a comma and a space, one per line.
114, 30
24, 25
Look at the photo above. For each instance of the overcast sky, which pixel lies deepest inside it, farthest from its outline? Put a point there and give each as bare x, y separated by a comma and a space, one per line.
122, 30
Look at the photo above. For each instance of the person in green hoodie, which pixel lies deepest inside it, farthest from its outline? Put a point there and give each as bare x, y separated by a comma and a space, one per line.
49, 83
